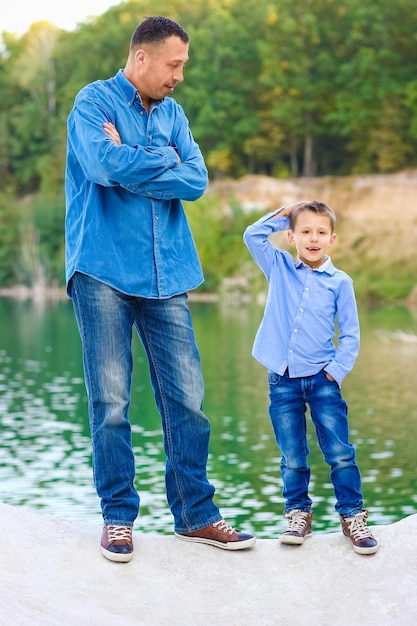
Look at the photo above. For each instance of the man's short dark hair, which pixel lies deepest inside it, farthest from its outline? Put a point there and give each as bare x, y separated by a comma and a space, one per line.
155, 30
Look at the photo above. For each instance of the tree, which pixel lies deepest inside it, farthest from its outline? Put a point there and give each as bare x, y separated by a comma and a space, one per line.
220, 91
375, 58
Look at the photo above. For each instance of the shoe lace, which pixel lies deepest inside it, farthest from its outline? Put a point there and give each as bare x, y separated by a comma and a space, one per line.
119, 533
357, 526
297, 520
224, 526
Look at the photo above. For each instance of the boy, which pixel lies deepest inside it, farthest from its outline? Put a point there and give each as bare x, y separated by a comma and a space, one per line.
295, 341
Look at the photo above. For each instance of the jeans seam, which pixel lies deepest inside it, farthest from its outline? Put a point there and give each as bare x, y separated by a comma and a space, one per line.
165, 417
89, 382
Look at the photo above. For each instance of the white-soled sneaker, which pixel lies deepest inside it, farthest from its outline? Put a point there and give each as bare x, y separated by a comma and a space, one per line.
117, 543
356, 529
221, 535
299, 527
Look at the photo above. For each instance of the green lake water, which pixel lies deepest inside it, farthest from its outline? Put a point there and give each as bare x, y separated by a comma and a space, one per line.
45, 460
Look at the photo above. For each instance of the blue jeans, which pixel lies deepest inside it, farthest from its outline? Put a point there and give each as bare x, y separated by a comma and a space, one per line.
288, 402
105, 319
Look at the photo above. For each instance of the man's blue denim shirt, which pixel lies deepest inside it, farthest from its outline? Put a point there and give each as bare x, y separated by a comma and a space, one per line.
125, 223
303, 305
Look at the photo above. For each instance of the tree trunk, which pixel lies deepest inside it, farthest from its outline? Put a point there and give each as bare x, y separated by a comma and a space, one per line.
308, 169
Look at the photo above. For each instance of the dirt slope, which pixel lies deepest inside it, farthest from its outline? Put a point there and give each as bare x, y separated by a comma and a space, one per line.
381, 208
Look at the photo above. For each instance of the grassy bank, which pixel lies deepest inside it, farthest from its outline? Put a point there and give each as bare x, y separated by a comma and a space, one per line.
376, 229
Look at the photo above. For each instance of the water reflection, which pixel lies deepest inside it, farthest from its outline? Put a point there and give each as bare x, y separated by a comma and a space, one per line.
46, 459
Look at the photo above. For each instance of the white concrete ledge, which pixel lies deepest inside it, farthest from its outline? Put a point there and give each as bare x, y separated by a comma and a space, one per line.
52, 573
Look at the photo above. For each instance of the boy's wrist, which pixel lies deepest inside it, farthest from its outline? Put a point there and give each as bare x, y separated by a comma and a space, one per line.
278, 211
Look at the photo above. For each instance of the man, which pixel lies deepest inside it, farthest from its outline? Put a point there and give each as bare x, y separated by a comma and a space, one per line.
130, 261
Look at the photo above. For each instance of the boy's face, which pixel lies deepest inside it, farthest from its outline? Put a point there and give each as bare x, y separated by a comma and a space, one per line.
312, 237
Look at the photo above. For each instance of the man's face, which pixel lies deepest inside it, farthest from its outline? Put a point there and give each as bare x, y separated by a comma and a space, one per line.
159, 67
312, 237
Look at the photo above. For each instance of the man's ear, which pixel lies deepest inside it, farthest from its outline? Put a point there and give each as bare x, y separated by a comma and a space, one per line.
139, 55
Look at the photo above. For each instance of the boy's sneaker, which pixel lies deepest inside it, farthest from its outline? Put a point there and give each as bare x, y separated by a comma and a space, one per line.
117, 543
299, 527
355, 529
221, 535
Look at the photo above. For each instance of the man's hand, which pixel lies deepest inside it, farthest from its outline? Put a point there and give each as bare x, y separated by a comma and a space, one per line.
111, 131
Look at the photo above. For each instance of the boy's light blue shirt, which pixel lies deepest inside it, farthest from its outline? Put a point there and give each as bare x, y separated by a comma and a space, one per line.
303, 304
125, 223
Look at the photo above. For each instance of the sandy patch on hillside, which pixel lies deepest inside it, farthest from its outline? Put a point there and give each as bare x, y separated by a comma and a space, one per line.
380, 209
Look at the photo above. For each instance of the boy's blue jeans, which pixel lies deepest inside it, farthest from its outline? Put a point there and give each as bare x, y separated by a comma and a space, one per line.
105, 319
288, 402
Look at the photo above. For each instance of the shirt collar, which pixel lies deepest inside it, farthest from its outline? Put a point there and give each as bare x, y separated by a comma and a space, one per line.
128, 90
327, 266
125, 86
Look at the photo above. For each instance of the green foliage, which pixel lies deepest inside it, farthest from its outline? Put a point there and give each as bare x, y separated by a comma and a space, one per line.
220, 92
276, 87
9, 239
31, 241
381, 286
48, 221
218, 235
312, 87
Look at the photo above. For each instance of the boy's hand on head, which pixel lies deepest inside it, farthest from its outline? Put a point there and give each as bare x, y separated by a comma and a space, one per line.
295, 205
289, 208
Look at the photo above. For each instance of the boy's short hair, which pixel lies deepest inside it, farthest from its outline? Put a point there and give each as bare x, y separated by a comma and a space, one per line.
316, 207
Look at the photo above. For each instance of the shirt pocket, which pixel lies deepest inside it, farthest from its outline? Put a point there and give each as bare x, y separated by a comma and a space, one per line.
323, 300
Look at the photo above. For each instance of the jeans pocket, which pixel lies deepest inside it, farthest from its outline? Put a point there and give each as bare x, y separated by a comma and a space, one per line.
273, 378
326, 379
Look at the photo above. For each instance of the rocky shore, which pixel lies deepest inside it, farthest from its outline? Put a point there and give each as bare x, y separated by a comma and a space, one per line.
52, 574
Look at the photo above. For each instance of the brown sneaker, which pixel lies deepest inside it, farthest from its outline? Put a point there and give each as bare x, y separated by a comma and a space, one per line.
355, 529
221, 535
299, 527
117, 543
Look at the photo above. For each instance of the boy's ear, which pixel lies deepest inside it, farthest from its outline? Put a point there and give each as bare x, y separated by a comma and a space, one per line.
332, 239
290, 237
